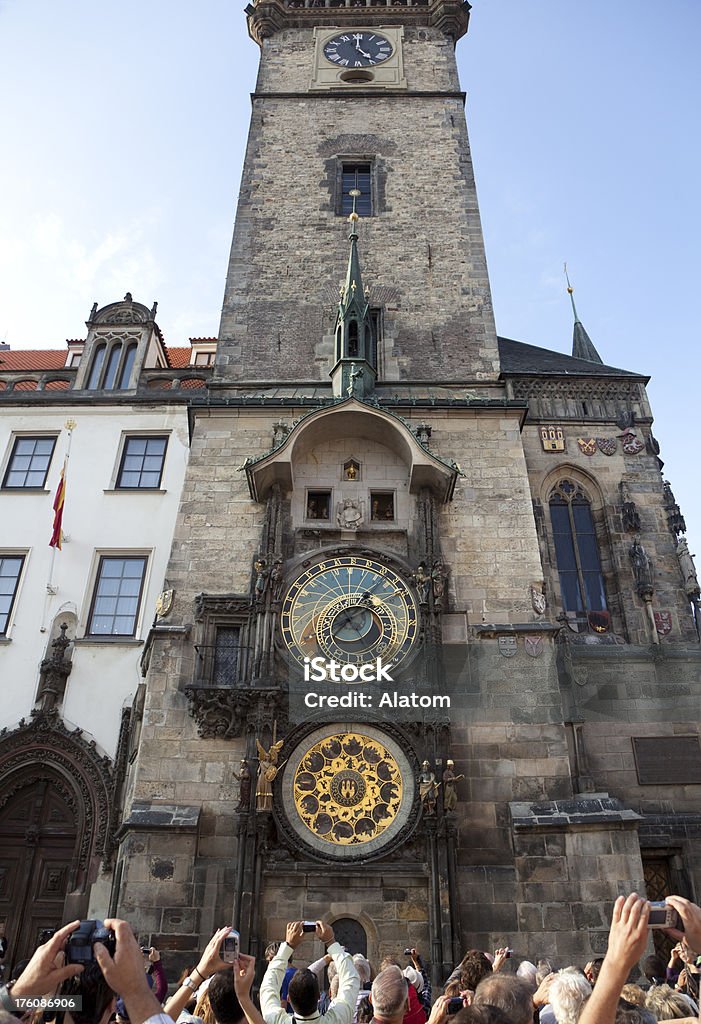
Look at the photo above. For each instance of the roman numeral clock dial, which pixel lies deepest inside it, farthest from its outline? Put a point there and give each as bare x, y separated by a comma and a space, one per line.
358, 49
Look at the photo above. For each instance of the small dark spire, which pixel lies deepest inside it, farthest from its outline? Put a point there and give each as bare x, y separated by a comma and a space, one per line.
352, 293
355, 355
582, 345
353, 328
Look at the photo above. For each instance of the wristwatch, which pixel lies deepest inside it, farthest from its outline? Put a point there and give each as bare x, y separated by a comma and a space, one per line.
191, 984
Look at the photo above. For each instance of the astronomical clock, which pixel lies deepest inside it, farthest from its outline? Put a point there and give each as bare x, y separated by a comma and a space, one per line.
351, 610
348, 791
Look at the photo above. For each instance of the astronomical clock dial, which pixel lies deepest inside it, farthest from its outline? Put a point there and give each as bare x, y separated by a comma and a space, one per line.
358, 49
350, 610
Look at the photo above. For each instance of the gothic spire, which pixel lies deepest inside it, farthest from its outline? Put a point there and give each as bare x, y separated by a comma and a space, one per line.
582, 345
355, 369
352, 293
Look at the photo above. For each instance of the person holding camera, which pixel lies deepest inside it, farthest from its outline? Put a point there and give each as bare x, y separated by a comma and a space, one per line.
74, 958
628, 938
229, 984
303, 992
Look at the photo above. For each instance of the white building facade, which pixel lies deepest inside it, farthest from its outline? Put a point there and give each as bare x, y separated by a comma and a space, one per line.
106, 422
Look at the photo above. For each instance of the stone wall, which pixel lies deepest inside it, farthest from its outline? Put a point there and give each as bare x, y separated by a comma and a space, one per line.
422, 252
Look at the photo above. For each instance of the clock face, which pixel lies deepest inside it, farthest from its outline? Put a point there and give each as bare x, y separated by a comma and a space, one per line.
358, 49
350, 610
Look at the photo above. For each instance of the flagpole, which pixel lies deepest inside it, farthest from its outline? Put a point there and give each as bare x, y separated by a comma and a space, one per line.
51, 588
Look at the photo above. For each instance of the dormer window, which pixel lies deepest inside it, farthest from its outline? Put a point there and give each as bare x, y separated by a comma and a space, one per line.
112, 366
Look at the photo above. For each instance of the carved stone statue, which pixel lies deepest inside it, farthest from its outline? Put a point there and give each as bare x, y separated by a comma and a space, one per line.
629, 511
354, 388
642, 567
260, 567
244, 779
450, 789
686, 564
428, 788
267, 772
439, 578
276, 578
350, 514
280, 432
538, 600
423, 583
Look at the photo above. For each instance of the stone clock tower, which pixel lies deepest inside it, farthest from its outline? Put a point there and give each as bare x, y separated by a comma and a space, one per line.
358, 495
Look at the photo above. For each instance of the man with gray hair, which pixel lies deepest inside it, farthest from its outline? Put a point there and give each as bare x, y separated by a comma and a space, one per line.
507, 993
364, 973
569, 991
389, 996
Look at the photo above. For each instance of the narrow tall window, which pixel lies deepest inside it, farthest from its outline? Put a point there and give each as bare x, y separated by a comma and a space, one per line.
226, 655
10, 569
356, 176
97, 363
127, 366
117, 596
576, 550
29, 462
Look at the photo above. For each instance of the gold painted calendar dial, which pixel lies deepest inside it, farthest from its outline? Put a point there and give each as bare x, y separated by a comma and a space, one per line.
347, 789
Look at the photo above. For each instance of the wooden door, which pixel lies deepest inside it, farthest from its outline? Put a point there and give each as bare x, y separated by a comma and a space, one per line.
37, 859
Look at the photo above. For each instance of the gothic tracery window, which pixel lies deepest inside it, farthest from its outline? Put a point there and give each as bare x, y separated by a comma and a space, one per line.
576, 550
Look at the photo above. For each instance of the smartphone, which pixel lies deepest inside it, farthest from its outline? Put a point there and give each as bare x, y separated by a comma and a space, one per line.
308, 926
229, 951
146, 950
663, 916
455, 1004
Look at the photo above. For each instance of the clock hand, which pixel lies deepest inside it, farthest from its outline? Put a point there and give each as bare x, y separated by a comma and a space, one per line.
362, 52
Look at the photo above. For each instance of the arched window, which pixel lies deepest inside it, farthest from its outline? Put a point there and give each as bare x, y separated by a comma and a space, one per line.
98, 360
576, 550
127, 366
112, 366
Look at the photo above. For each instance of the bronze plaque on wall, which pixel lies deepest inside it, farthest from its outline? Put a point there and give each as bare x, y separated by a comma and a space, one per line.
668, 760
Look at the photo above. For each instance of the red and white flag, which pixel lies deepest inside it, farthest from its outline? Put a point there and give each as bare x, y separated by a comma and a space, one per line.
57, 534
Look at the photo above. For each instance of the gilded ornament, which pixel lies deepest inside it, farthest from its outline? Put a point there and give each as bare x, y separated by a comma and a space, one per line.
347, 789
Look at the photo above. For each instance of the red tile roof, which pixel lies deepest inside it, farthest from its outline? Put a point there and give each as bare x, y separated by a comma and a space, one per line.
54, 359
178, 357
32, 359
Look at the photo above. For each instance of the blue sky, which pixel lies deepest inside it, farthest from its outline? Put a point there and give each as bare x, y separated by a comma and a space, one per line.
124, 125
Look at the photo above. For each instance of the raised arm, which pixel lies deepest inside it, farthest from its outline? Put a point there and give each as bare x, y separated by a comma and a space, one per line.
208, 964
627, 941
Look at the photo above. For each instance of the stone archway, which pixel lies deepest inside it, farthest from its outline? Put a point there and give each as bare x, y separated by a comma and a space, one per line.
57, 819
351, 934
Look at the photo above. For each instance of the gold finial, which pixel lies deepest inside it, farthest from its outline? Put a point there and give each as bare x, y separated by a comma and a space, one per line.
354, 193
570, 289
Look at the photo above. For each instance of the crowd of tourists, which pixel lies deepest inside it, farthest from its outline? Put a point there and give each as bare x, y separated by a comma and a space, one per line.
120, 982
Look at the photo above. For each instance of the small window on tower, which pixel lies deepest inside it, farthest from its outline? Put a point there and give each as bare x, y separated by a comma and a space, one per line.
319, 505
356, 176
381, 506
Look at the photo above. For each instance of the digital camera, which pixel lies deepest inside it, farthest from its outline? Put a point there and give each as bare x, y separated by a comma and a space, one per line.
79, 948
229, 951
663, 916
